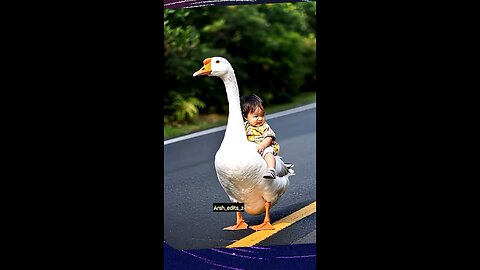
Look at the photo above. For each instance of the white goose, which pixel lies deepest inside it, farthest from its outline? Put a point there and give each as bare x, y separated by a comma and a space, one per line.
239, 167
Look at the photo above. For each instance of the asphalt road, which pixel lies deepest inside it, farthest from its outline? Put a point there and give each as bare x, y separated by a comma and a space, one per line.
191, 187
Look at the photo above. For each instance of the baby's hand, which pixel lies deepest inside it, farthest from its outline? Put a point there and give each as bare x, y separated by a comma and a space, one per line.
260, 148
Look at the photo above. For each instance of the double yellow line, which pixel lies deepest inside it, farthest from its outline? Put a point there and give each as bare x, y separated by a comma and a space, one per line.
259, 236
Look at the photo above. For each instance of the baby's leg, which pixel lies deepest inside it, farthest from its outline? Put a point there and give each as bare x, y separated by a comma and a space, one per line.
270, 159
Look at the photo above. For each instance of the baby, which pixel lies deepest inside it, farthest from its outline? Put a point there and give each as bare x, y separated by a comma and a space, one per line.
259, 131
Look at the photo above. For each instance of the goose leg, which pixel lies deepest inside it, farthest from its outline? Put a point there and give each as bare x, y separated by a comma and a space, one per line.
266, 222
240, 225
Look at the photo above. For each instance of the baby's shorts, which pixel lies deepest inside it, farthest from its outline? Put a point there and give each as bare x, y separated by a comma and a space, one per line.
268, 149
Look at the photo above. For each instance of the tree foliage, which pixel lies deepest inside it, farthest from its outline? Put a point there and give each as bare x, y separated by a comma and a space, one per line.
271, 47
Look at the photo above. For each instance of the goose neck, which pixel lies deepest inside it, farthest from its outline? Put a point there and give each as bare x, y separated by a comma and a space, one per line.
235, 126
231, 87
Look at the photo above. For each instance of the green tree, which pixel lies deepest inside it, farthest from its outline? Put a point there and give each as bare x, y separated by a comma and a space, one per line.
272, 48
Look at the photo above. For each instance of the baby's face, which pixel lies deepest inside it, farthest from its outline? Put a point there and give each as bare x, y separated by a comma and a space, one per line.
256, 118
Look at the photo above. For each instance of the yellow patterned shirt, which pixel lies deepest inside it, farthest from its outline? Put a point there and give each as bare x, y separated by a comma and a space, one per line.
258, 134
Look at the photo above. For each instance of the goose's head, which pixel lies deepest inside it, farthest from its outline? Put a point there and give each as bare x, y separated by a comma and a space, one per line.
215, 66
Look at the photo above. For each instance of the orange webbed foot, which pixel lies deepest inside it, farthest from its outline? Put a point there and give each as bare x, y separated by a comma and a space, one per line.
264, 226
242, 225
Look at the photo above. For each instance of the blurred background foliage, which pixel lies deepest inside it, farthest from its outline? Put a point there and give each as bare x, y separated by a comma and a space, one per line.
272, 48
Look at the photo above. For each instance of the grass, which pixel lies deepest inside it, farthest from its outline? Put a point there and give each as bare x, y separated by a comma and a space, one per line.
206, 121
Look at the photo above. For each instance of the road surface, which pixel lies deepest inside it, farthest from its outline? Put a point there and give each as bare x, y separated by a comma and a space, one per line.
191, 187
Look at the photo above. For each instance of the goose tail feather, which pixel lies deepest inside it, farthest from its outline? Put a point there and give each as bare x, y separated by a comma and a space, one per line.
283, 168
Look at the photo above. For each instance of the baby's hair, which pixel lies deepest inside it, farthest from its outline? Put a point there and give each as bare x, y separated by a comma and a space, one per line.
250, 104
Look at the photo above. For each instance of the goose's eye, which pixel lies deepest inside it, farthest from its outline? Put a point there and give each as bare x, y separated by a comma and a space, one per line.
218, 61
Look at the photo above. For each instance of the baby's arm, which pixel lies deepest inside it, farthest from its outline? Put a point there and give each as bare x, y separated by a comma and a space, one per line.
264, 144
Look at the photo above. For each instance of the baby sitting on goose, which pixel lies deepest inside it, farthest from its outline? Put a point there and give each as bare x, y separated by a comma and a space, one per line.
239, 167
260, 132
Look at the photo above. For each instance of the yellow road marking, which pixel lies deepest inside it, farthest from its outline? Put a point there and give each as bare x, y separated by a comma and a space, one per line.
258, 236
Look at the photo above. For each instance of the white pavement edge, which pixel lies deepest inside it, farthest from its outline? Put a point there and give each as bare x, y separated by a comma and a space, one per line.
212, 130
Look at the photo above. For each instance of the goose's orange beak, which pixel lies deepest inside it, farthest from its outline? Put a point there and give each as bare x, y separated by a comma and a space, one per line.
206, 69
